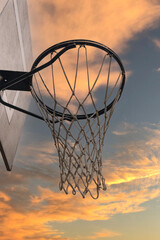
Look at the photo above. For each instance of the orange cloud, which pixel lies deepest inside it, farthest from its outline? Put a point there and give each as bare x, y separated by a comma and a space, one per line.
4, 197
132, 173
25, 225
112, 23
34, 218
136, 154
110, 203
104, 234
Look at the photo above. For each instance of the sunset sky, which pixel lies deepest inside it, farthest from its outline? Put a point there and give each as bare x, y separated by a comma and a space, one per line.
31, 205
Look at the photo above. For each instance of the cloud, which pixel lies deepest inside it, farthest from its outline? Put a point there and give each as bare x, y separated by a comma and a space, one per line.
136, 153
120, 133
40, 153
156, 42
16, 225
125, 129
45, 206
37, 218
120, 198
133, 178
4, 197
112, 23
104, 234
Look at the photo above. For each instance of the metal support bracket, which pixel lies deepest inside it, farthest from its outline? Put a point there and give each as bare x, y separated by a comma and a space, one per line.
7, 83
7, 77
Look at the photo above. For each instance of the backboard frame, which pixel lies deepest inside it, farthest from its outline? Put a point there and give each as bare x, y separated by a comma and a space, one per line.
16, 55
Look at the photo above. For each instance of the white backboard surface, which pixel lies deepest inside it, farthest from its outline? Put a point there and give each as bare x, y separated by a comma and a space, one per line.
16, 55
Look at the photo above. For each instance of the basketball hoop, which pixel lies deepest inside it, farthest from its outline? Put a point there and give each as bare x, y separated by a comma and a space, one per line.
77, 105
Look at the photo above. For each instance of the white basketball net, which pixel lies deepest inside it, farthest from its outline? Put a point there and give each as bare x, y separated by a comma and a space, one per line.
79, 142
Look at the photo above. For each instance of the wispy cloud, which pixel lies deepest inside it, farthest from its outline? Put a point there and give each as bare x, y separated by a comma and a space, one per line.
136, 154
16, 225
41, 152
125, 129
157, 42
104, 234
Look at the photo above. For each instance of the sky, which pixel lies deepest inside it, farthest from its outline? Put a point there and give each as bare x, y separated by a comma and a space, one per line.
31, 205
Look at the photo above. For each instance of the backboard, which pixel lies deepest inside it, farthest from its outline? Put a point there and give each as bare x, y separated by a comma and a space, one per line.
16, 55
